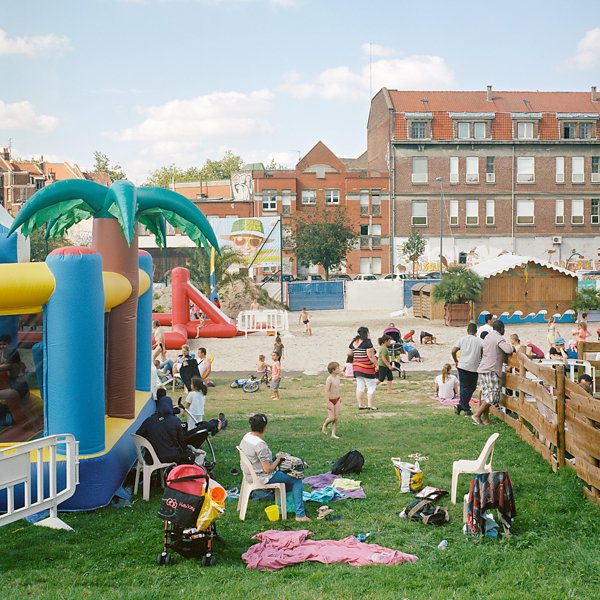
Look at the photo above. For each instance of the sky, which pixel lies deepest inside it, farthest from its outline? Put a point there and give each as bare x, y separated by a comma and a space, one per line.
156, 82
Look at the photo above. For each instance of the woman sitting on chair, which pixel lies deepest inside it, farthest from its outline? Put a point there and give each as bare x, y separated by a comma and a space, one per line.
258, 453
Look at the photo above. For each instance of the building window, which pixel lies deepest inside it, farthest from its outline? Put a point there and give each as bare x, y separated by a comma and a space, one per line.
419, 212
309, 196
462, 258
419, 169
479, 131
525, 212
364, 202
595, 169
332, 196
418, 130
577, 169
376, 265
286, 203
559, 218
490, 169
585, 131
569, 131
490, 215
269, 200
524, 131
472, 212
376, 203
560, 169
453, 212
472, 169
454, 169
365, 265
525, 169
595, 214
463, 131
577, 212
39, 184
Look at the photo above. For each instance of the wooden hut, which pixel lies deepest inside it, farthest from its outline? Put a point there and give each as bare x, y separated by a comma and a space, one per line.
416, 299
525, 284
429, 308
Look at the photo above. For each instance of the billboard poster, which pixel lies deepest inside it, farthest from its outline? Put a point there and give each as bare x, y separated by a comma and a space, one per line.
241, 186
253, 238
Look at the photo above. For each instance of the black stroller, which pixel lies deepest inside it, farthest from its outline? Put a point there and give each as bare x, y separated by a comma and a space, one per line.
196, 436
190, 506
396, 350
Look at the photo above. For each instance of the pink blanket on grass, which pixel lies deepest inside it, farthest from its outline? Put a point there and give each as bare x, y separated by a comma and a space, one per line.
279, 549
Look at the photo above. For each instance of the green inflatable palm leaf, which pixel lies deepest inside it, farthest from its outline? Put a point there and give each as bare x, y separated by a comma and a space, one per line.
154, 222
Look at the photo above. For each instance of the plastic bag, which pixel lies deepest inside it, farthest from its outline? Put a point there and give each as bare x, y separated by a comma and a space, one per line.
410, 476
213, 507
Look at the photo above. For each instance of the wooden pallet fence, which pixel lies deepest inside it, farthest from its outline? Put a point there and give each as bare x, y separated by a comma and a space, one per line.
555, 416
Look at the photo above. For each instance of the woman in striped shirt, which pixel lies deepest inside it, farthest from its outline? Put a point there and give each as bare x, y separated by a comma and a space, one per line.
364, 363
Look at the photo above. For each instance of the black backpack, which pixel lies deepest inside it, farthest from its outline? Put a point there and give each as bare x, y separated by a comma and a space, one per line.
352, 462
425, 511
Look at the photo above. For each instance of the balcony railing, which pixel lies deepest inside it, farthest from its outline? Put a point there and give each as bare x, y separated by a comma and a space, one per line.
376, 210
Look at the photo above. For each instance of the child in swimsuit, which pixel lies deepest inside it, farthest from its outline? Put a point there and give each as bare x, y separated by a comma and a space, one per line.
305, 318
334, 402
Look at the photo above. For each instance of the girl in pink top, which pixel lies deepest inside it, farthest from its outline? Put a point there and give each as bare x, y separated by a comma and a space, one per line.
275, 375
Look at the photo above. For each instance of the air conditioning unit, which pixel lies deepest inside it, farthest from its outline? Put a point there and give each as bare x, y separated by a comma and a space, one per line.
490, 177
557, 239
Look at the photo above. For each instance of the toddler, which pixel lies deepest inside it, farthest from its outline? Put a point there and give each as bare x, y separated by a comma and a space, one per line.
332, 396
195, 400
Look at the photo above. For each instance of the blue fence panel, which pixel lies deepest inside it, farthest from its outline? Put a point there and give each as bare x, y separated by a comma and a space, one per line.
408, 286
316, 295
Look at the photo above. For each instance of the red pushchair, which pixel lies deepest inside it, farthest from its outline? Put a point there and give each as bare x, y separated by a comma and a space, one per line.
191, 504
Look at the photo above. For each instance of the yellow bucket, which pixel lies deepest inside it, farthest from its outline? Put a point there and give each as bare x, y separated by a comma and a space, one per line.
272, 512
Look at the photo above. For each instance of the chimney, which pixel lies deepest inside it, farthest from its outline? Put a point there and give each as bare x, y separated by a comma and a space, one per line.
594, 94
488, 95
5, 153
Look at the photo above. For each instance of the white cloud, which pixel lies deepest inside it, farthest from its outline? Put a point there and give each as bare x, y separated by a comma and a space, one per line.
34, 44
21, 115
220, 115
588, 51
377, 50
341, 83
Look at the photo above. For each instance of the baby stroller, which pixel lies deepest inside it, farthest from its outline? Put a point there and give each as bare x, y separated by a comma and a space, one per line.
396, 350
196, 436
191, 504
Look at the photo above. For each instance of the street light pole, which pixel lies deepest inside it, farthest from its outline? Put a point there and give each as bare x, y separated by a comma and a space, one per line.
441, 181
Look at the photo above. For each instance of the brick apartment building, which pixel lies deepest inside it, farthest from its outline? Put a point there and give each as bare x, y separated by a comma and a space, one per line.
20, 179
519, 172
320, 181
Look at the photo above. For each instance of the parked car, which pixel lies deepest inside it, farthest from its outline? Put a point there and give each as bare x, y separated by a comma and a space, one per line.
309, 278
367, 277
395, 276
430, 275
343, 276
287, 277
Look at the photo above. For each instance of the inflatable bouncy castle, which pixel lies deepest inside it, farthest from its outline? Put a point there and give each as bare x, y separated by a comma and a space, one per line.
95, 354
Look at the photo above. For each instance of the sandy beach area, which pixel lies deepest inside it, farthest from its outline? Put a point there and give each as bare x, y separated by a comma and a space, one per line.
333, 331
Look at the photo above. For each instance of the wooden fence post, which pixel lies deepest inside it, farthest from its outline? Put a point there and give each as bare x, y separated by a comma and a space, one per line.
560, 415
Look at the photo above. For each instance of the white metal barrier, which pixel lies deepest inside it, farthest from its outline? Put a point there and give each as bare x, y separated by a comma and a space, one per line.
251, 321
16, 466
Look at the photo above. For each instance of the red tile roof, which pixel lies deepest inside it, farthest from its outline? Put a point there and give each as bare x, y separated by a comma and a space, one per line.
501, 102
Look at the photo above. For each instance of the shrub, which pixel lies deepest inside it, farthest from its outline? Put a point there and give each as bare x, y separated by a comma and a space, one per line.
586, 299
458, 285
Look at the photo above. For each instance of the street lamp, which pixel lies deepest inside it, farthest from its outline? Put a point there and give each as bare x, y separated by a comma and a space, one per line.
574, 253
441, 182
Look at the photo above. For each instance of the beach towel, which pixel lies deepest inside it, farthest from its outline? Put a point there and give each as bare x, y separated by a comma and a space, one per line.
279, 549
317, 482
323, 495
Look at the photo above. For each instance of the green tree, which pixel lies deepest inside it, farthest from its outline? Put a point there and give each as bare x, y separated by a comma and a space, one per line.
102, 164
323, 238
458, 285
275, 166
198, 264
221, 169
40, 247
164, 176
413, 248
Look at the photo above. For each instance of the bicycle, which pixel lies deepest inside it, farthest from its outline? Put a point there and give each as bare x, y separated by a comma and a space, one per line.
253, 384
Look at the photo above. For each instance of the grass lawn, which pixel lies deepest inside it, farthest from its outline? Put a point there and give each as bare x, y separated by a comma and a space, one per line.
553, 553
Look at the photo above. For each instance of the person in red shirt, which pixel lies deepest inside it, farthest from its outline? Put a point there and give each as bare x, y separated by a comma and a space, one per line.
408, 337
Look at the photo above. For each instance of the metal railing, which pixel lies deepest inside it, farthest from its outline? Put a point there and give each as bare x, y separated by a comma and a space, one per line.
31, 468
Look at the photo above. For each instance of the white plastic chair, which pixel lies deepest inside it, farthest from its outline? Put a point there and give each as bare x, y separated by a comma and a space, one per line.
247, 488
483, 464
146, 469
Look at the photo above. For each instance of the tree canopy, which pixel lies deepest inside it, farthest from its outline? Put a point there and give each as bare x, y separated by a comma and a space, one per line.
40, 247
212, 169
102, 164
324, 237
413, 248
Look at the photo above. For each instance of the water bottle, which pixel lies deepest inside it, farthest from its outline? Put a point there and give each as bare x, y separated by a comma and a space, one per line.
443, 545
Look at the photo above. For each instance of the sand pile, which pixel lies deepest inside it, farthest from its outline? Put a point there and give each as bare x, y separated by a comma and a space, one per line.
161, 299
239, 295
